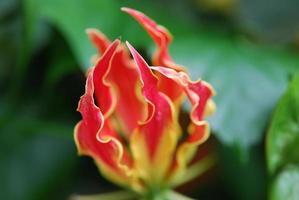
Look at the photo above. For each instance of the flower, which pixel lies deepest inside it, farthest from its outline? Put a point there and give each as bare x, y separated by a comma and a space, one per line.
130, 112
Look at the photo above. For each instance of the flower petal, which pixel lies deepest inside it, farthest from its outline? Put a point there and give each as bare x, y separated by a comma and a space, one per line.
123, 75
104, 93
161, 57
99, 40
94, 134
157, 136
199, 94
161, 37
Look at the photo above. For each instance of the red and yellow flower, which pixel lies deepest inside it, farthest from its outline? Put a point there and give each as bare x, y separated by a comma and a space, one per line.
130, 112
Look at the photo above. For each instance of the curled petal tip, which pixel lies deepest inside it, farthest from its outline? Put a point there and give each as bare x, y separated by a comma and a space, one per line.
116, 42
126, 9
91, 30
132, 12
99, 40
123, 8
88, 30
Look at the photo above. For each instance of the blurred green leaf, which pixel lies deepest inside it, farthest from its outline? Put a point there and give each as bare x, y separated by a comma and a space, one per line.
35, 168
267, 20
6, 7
10, 28
60, 63
73, 17
283, 135
286, 185
243, 180
283, 145
278, 22
248, 79
37, 154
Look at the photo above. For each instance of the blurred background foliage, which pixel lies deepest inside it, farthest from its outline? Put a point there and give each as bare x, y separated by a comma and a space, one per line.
247, 49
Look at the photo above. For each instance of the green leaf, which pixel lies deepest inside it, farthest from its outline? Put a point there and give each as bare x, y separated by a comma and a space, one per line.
10, 28
286, 185
35, 153
36, 167
258, 18
283, 145
73, 17
283, 135
239, 178
6, 7
248, 79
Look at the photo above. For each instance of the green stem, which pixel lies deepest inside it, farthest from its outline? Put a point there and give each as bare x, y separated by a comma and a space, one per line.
127, 195
119, 195
166, 195
173, 195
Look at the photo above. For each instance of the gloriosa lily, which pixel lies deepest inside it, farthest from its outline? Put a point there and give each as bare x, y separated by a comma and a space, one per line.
130, 113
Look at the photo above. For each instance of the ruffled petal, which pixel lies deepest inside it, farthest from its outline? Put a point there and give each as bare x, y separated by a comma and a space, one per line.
161, 57
123, 75
104, 92
161, 37
199, 94
94, 134
157, 136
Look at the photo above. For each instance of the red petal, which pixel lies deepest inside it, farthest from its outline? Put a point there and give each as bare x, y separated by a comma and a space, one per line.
130, 108
94, 135
161, 57
199, 94
159, 110
159, 133
104, 93
159, 34
99, 40
123, 75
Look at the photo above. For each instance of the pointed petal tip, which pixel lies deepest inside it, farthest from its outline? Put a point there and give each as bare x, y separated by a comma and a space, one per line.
91, 30
139, 16
139, 60
128, 44
88, 30
132, 49
116, 42
126, 9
